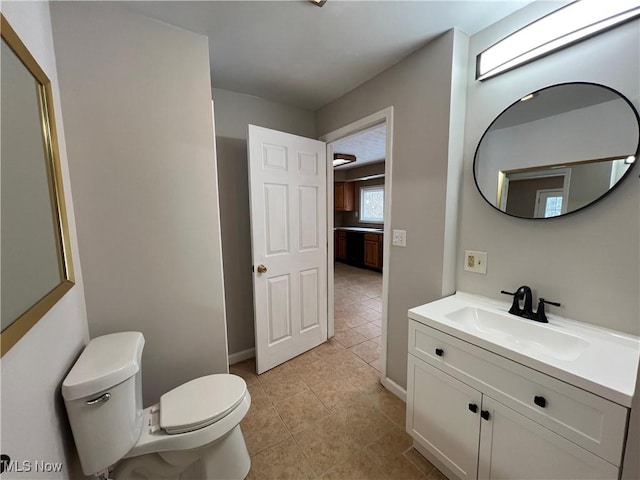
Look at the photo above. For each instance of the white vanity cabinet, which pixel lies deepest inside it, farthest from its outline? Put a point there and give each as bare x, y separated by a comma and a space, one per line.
515, 447
481, 415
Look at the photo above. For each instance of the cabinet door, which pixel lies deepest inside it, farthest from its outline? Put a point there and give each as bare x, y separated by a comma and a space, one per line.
349, 196
338, 199
373, 250
341, 246
513, 446
440, 417
371, 253
344, 196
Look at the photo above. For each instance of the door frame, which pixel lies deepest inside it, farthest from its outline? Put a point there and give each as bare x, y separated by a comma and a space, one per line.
383, 116
504, 179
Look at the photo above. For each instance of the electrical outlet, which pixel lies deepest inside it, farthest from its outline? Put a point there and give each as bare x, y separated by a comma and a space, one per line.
400, 238
475, 261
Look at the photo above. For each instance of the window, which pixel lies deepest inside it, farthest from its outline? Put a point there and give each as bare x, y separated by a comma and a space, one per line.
553, 207
372, 204
549, 203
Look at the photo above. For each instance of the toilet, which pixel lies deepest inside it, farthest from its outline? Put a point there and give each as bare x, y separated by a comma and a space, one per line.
192, 433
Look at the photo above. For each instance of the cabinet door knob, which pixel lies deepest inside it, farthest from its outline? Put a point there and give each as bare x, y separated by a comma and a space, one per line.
439, 352
540, 401
473, 407
485, 414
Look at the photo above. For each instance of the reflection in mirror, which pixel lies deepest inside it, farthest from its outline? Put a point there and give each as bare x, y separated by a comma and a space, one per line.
557, 150
36, 269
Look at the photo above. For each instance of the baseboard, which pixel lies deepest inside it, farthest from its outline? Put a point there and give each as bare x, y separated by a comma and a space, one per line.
394, 388
240, 356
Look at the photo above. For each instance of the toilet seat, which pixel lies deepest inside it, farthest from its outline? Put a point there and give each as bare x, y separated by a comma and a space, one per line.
200, 402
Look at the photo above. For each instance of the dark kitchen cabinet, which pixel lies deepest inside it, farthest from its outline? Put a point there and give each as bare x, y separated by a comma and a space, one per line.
340, 244
344, 198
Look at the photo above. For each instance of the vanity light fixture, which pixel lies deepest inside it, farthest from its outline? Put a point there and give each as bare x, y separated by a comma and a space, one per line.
570, 24
342, 159
319, 3
531, 96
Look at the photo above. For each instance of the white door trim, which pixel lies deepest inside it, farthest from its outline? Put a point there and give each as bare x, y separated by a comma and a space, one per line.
382, 116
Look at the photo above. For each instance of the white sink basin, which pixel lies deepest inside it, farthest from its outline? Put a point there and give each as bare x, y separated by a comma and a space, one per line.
596, 359
526, 336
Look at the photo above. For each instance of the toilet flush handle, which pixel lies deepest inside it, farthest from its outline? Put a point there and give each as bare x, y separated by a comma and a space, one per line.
101, 399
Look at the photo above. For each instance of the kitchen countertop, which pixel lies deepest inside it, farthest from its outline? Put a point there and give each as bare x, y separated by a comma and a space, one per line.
360, 229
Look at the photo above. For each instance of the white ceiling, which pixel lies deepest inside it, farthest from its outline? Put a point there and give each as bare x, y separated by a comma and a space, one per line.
554, 101
368, 146
299, 54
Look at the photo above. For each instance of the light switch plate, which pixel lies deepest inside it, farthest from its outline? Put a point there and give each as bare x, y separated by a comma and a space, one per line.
400, 238
475, 261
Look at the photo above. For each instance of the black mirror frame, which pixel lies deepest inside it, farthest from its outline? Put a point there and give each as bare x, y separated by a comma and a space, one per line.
626, 174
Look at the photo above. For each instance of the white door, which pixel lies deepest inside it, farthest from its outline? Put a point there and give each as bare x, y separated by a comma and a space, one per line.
443, 414
288, 190
513, 446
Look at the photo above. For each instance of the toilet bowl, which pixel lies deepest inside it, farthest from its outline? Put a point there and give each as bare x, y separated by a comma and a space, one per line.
193, 432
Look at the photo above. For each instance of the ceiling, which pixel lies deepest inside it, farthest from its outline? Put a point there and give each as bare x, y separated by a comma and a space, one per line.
368, 146
306, 56
554, 101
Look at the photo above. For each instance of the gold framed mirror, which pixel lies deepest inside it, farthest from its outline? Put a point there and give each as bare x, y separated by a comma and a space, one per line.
36, 266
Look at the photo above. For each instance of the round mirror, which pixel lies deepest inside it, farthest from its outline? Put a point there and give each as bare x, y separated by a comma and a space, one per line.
557, 150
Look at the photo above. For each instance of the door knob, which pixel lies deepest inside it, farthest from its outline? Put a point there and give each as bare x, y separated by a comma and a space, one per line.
262, 268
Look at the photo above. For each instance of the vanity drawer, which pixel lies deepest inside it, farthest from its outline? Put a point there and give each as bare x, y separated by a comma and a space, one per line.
586, 419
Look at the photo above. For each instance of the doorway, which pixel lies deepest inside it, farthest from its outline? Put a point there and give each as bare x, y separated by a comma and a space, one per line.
358, 283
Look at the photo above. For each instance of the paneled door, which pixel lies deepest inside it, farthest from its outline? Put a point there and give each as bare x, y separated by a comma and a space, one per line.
288, 190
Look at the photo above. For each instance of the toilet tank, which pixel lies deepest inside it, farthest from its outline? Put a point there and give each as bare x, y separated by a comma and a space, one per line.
103, 397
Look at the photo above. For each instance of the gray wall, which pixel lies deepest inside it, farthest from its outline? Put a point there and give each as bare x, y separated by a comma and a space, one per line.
359, 172
139, 124
234, 111
420, 90
589, 261
34, 421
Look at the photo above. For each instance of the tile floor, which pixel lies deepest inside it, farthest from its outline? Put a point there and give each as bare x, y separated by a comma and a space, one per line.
324, 413
358, 312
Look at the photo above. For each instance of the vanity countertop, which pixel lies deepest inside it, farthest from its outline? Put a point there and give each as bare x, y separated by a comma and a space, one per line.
599, 360
360, 229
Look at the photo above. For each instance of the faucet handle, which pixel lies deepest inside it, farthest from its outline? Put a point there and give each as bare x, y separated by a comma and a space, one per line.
548, 302
540, 315
515, 305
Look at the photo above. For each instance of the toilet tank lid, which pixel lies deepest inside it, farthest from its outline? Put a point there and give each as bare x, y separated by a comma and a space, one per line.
105, 362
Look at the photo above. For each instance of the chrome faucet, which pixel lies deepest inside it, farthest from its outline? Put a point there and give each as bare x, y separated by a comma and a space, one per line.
524, 294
